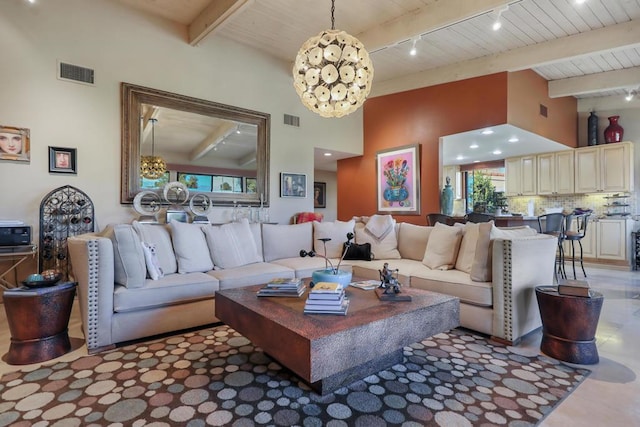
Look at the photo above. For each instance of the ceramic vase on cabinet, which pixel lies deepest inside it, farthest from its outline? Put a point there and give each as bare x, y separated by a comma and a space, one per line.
614, 132
592, 129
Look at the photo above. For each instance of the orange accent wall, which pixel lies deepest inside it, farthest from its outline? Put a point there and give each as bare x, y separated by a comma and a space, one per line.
527, 90
419, 116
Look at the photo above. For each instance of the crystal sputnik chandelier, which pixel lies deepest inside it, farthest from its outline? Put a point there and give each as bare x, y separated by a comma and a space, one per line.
333, 73
152, 167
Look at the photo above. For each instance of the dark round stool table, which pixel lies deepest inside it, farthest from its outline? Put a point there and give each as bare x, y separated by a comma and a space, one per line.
569, 325
38, 321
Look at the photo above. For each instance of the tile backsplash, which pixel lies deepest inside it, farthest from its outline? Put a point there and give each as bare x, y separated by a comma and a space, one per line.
596, 202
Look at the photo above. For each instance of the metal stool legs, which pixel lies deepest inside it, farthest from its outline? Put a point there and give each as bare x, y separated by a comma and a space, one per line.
573, 259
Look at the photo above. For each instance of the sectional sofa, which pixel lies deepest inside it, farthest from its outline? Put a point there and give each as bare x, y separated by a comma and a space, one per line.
137, 280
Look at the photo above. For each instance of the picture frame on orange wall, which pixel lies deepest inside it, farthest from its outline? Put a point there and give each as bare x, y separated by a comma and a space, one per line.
398, 180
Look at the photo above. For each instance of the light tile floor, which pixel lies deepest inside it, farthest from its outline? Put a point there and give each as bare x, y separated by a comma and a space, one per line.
609, 396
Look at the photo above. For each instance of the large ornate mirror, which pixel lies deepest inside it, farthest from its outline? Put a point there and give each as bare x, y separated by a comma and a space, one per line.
212, 148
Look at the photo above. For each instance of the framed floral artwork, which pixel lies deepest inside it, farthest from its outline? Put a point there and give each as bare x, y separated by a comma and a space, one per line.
62, 160
398, 177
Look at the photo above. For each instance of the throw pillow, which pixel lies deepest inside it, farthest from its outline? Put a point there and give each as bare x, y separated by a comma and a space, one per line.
386, 248
481, 266
191, 247
512, 232
128, 258
467, 250
232, 245
358, 252
151, 258
336, 231
158, 234
412, 240
286, 241
442, 247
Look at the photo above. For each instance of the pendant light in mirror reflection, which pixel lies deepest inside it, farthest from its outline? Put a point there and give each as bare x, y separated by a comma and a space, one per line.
151, 167
332, 73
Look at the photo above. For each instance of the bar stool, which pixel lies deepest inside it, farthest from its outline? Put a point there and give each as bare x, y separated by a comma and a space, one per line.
554, 224
576, 236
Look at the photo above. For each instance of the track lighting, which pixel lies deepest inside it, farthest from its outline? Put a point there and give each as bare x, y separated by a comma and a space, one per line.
413, 50
498, 24
630, 95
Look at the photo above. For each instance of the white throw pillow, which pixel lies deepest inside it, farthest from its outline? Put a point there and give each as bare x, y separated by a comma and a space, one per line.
387, 248
336, 231
232, 245
442, 247
128, 258
191, 247
158, 234
507, 233
153, 266
286, 241
412, 240
467, 251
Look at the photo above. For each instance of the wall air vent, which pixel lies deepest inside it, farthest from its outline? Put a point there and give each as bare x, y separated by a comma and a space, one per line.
75, 73
292, 120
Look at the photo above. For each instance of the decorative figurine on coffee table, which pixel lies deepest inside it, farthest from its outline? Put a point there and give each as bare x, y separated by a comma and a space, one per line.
389, 289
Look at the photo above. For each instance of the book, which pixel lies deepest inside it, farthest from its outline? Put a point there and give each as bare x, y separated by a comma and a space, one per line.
367, 285
576, 288
293, 292
284, 282
327, 288
323, 301
325, 296
341, 310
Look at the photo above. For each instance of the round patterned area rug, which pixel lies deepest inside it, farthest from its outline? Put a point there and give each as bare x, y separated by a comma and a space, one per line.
216, 377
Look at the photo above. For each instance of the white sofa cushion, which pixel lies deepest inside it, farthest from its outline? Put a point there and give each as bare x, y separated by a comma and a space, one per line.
191, 247
256, 230
481, 266
442, 247
512, 232
385, 248
412, 240
455, 283
334, 230
286, 241
129, 266
231, 245
466, 253
158, 234
251, 274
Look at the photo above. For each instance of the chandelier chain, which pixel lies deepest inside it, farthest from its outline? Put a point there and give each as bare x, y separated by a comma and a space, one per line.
333, 19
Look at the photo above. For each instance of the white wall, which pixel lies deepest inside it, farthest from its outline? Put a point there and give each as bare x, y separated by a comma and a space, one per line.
125, 45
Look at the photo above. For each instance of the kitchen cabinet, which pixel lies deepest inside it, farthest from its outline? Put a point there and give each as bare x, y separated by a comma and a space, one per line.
520, 176
604, 169
612, 236
555, 173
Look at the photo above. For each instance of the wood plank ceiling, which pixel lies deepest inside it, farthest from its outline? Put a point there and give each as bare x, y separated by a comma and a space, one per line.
585, 49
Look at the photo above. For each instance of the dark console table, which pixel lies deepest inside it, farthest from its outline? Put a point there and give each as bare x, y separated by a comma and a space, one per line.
569, 325
38, 321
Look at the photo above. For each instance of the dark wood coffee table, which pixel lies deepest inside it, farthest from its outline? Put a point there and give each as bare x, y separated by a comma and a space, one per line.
330, 351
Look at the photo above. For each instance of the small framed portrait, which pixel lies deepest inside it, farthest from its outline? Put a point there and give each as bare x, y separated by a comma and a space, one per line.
62, 160
15, 144
293, 184
319, 194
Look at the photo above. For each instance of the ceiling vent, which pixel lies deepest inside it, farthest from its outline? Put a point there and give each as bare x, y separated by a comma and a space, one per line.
292, 120
76, 73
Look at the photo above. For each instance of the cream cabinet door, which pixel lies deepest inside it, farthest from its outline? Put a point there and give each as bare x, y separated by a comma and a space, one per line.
546, 174
529, 174
616, 163
513, 176
587, 170
564, 172
612, 241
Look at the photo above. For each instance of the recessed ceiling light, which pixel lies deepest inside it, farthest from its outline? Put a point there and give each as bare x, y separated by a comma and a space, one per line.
460, 157
514, 139
496, 152
487, 132
328, 154
474, 146
476, 161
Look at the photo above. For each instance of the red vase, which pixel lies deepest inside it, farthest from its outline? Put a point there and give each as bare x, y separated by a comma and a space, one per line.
613, 132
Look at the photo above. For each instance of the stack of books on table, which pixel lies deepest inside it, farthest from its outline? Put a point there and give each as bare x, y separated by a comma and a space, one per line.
326, 298
283, 287
576, 288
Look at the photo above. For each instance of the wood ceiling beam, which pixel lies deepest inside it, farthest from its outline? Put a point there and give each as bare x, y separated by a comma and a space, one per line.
628, 78
212, 140
615, 37
212, 17
437, 15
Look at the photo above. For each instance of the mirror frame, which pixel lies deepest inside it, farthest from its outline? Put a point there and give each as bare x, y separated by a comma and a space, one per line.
132, 98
